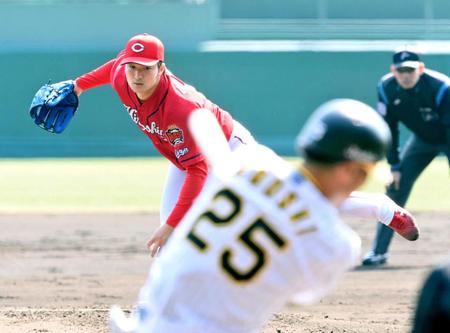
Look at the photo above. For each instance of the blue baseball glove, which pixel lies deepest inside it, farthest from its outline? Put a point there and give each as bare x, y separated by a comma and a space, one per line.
54, 105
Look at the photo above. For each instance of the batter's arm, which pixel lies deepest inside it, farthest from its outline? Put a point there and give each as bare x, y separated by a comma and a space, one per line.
381, 208
208, 135
374, 206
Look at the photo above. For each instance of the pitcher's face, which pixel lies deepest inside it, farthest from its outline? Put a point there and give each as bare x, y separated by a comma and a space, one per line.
143, 80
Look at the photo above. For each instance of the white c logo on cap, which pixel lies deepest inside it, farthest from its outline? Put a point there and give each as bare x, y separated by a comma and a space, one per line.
137, 47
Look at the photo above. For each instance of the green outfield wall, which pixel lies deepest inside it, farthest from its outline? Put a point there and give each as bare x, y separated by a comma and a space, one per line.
270, 86
336, 9
270, 93
70, 26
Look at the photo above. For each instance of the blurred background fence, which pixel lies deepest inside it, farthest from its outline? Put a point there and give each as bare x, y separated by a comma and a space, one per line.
268, 62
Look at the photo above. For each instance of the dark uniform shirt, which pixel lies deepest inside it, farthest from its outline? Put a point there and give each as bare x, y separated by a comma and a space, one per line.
433, 308
424, 109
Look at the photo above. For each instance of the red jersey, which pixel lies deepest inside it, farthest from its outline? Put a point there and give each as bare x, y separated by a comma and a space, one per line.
163, 118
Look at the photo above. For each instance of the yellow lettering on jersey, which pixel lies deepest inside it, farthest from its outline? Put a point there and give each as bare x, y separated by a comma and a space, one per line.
306, 230
216, 218
299, 216
249, 239
257, 177
287, 200
273, 188
242, 171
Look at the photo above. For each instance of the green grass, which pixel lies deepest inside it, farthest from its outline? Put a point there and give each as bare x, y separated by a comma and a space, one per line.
135, 185
81, 185
431, 192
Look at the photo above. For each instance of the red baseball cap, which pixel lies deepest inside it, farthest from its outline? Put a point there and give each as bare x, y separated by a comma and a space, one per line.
143, 49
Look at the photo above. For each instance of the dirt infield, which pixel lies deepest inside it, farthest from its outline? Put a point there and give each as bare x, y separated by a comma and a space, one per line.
62, 273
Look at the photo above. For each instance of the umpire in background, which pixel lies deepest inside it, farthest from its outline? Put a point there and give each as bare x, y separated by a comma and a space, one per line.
420, 99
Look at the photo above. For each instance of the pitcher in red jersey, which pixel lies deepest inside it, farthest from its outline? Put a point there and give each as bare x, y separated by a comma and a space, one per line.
160, 103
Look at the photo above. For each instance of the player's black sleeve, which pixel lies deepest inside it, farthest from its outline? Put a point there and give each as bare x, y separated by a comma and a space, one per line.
445, 114
393, 153
433, 308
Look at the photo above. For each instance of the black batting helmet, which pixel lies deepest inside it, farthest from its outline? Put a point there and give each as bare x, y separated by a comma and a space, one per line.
344, 130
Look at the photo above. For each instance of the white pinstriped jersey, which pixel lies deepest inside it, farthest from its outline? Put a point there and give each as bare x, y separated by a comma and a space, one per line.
245, 248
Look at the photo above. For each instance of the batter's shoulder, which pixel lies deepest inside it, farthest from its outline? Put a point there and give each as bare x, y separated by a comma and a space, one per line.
260, 157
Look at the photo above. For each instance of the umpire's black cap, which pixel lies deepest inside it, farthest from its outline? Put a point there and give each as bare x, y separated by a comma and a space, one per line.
406, 58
